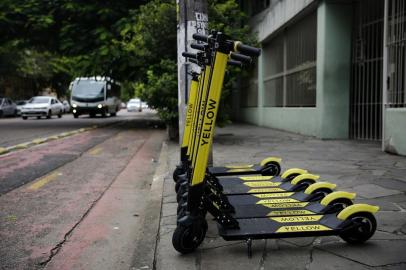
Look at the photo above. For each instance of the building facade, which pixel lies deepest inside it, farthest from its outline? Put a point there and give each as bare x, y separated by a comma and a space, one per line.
333, 69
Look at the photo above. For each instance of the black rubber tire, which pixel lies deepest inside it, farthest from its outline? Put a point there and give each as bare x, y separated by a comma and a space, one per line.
1, 114
60, 115
271, 168
25, 117
185, 241
319, 194
15, 113
49, 115
75, 115
339, 204
38, 117
178, 171
303, 185
362, 233
291, 177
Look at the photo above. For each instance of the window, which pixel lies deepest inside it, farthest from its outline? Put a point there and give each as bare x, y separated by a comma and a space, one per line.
290, 66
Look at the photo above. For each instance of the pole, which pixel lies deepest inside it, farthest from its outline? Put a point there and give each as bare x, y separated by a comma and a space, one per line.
192, 18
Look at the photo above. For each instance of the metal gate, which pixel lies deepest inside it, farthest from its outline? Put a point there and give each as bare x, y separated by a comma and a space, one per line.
396, 53
366, 73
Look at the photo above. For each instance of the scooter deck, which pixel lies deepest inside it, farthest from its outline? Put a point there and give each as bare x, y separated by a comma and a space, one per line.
278, 209
268, 198
240, 180
234, 170
283, 227
254, 187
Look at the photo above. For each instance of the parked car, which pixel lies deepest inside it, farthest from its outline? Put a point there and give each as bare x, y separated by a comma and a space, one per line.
20, 104
123, 105
134, 105
144, 105
42, 106
66, 106
7, 107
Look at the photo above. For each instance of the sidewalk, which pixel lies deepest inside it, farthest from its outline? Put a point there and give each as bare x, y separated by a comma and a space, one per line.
377, 178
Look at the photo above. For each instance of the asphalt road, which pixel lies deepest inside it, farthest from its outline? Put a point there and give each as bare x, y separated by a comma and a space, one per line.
92, 186
16, 130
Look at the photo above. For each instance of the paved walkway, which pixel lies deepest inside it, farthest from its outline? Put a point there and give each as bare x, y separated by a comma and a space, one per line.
377, 178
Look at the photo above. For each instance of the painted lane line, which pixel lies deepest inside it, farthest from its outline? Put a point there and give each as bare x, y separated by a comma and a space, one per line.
43, 181
95, 151
39, 140
3, 150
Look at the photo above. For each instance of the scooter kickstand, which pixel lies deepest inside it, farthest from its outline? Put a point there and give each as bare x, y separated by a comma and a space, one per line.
249, 248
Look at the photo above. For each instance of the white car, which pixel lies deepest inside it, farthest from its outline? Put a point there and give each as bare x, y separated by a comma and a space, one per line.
134, 105
42, 106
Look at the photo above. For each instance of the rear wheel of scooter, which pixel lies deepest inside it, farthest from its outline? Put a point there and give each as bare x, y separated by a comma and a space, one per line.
362, 227
339, 204
271, 168
186, 239
303, 185
319, 194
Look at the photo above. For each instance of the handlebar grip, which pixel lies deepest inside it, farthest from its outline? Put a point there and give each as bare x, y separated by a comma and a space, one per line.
242, 58
247, 50
199, 47
200, 37
189, 55
235, 63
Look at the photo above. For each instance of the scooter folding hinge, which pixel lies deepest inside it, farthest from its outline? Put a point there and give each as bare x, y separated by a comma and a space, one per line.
227, 221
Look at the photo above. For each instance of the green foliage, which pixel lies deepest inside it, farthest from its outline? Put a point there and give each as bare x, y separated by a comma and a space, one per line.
134, 42
161, 90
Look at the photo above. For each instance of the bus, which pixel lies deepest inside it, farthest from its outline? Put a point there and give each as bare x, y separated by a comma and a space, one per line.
95, 95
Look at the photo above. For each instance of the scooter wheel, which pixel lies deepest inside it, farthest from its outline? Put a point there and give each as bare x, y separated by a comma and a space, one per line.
271, 168
186, 239
362, 227
303, 185
178, 171
319, 194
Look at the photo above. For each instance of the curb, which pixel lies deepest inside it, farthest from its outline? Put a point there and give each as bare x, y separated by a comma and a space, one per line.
144, 255
26, 145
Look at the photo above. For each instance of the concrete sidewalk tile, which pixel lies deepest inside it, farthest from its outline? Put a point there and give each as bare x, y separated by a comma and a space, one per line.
374, 191
169, 259
327, 261
390, 221
232, 255
283, 255
372, 253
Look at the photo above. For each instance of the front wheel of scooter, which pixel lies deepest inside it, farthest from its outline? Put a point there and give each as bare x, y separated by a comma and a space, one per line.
271, 168
187, 239
362, 227
178, 171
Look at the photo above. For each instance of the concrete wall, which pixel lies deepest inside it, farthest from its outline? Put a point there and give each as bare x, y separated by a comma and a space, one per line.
334, 27
395, 131
279, 13
329, 119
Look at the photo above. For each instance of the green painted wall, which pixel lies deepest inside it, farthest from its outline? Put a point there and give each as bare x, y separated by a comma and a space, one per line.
329, 119
334, 28
395, 131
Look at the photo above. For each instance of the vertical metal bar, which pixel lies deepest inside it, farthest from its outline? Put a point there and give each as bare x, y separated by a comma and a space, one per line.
284, 68
384, 71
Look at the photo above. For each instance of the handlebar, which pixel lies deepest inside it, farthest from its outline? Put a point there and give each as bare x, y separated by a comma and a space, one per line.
189, 55
242, 58
235, 63
200, 37
199, 47
245, 49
